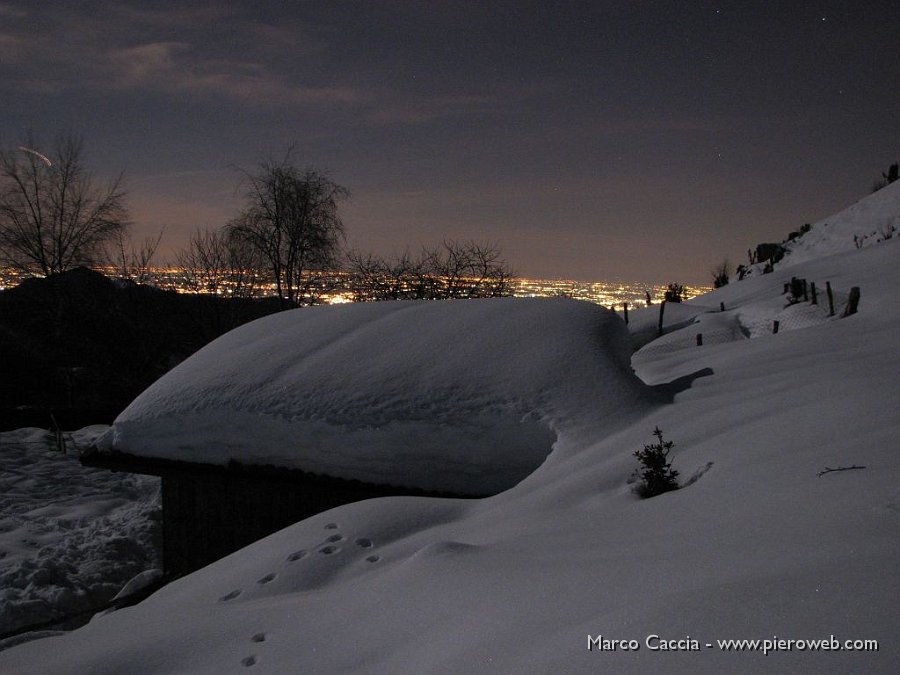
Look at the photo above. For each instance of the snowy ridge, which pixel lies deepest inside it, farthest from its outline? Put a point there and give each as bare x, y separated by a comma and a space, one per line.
871, 220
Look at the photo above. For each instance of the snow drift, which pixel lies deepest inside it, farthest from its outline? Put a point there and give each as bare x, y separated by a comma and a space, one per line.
461, 397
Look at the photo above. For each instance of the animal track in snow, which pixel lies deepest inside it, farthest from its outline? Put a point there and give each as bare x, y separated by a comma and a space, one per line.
335, 538
364, 542
331, 526
259, 637
249, 661
296, 555
267, 579
373, 558
230, 596
328, 550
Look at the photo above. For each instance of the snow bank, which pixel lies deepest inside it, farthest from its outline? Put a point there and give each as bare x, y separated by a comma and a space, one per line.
466, 397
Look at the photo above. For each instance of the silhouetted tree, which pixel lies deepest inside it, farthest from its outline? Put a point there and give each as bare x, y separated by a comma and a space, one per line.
656, 472
132, 261
451, 269
887, 177
291, 219
217, 263
721, 274
675, 293
53, 215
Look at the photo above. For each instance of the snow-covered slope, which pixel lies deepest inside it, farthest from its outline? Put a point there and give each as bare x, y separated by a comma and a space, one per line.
462, 397
758, 544
871, 220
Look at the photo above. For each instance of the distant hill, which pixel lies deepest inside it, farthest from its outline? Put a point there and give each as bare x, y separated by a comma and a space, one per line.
82, 346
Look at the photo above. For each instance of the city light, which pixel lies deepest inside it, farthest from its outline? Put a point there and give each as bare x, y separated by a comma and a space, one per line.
338, 287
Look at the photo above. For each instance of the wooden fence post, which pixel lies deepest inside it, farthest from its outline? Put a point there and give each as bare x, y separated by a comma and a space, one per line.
815, 296
805, 291
830, 298
775, 327
662, 309
852, 302
699, 339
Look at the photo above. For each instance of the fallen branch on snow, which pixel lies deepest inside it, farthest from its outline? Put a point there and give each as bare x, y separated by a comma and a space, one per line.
840, 468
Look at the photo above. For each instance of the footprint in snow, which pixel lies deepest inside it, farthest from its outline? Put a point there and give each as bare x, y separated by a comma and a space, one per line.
335, 538
259, 637
230, 596
373, 558
267, 579
296, 555
248, 661
328, 550
364, 542
331, 526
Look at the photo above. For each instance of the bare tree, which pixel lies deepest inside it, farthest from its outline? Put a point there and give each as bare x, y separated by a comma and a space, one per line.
490, 274
53, 216
467, 269
375, 278
451, 269
220, 264
291, 218
721, 274
132, 261
225, 271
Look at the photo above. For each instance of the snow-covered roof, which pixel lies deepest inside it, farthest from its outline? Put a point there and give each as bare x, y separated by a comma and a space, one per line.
458, 396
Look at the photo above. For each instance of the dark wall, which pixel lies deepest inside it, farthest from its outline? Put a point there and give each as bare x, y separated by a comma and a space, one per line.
207, 515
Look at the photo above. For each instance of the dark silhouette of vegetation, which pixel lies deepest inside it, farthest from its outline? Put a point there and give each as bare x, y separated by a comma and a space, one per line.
887, 177
82, 346
53, 215
721, 274
656, 472
134, 261
291, 220
675, 293
451, 269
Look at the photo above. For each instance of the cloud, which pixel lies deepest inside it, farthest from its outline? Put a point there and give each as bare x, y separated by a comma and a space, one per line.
11, 11
11, 48
213, 54
147, 62
173, 67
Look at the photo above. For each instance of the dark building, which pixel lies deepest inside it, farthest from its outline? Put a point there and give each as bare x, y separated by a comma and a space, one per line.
210, 511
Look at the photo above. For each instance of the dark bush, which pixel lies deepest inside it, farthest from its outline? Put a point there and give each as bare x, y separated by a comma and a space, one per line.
656, 472
675, 293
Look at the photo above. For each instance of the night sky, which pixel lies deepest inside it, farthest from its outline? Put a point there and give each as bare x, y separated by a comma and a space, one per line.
637, 140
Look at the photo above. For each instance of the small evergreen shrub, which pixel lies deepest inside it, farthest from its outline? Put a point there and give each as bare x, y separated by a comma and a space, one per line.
656, 472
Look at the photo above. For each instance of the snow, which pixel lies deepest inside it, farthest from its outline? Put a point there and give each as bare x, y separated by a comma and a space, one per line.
869, 221
70, 537
457, 397
757, 545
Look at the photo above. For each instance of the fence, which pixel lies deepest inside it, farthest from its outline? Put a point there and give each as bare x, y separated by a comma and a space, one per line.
720, 326
53, 440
